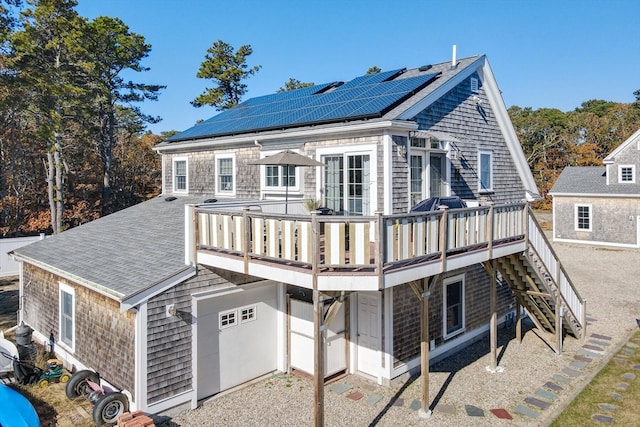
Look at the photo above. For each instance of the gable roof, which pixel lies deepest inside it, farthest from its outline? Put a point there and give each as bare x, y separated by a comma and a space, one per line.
590, 180
632, 140
121, 254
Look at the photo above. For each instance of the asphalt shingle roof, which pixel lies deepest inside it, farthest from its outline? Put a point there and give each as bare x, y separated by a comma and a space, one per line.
590, 180
122, 253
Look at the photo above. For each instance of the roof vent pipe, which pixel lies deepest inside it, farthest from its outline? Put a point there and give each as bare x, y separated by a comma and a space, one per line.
453, 57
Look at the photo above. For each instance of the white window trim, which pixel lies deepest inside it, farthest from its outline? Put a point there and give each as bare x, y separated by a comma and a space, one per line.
231, 156
446, 282
230, 325
633, 174
279, 189
252, 318
575, 216
349, 150
482, 190
174, 187
71, 291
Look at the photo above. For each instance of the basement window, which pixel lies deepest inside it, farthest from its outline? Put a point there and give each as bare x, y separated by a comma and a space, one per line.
453, 307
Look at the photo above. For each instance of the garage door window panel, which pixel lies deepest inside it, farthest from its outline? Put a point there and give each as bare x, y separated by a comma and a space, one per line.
228, 318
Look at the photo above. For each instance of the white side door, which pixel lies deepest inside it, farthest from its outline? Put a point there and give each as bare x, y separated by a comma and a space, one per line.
368, 333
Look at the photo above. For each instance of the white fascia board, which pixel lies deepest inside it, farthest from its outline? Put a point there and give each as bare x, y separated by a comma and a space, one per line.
597, 195
308, 133
168, 283
71, 277
504, 122
632, 139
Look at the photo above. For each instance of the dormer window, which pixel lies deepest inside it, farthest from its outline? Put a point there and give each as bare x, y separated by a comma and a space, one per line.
626, 174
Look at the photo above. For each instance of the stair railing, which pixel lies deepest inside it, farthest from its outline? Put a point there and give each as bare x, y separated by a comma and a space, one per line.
568, 292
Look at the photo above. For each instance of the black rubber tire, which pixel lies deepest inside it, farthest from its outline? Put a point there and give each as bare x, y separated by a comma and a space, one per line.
77, 385
110, 406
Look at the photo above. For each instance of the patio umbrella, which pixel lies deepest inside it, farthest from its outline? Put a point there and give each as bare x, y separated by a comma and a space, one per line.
287, 158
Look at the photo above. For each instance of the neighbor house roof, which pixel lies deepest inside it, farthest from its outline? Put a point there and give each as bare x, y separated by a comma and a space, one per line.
120, 254
590, 180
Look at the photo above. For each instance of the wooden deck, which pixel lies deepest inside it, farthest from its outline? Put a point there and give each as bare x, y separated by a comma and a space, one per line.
336, 253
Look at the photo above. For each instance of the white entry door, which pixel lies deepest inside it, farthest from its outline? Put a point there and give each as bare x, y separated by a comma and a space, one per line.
368, 334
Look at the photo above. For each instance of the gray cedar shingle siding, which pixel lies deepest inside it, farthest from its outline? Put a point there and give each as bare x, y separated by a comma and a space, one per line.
104, 337
169, 339
476, 127
613, 220
406, 311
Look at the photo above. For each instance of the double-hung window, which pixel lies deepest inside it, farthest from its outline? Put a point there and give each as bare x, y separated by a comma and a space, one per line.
180, 174
626, 174
453, 306
67, 312
485, 171
225, 174
583, 217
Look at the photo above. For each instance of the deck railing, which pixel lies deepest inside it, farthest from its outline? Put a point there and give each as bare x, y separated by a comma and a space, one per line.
366, 243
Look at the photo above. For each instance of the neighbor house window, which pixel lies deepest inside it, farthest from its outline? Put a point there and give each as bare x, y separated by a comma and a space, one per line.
180, 175
225, 174
485, 171
583, 218
67, 314
627, 173
453, 306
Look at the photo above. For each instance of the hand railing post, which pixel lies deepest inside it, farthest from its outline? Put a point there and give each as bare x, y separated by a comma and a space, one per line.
246, 238
444, 240
380, 247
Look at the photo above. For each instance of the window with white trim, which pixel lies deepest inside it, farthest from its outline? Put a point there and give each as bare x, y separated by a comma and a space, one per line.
227, 319
180, 175
225, 174
583, 217
453, 316
279, 176
626, 174
67, 316
485, 171
247, 314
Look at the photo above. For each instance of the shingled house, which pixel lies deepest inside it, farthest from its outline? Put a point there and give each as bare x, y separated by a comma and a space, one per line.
600, 205
212, 284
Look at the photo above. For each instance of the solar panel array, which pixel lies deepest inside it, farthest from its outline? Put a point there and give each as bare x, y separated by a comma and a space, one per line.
363, 97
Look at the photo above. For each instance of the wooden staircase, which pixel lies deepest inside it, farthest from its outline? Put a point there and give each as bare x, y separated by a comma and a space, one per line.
543, 288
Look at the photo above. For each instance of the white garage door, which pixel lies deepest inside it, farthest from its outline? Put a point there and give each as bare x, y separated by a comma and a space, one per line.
237, 338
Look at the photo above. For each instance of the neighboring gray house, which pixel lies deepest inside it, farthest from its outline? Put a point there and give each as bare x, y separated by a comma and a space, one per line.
600, 205
211, 284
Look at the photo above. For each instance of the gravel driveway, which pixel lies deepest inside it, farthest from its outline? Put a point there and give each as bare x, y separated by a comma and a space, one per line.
462, 391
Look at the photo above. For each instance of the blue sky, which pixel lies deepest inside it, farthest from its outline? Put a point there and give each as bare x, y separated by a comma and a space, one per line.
544, 53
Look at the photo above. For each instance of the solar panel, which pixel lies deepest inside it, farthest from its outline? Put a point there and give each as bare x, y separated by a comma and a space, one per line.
366, 96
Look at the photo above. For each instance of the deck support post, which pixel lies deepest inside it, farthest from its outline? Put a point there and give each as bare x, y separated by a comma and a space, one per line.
559, 313
424, 346
518, 322
318, 368
494, 318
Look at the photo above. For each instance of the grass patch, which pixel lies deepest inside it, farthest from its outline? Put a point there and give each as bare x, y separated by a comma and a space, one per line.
579, 412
